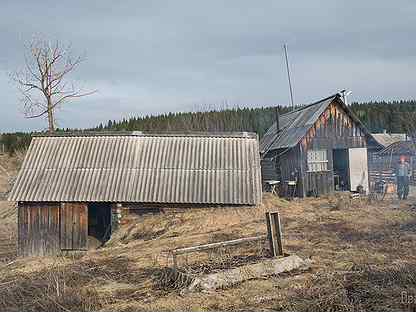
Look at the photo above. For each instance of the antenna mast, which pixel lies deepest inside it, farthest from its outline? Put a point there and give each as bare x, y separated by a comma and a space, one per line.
288, 77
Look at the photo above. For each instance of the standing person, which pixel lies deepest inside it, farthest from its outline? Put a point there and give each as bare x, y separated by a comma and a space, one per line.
403, 177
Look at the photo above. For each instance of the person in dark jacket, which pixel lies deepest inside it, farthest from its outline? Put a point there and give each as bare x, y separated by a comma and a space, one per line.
403, 174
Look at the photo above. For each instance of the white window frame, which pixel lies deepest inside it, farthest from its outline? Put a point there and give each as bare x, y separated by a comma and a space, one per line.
317, 160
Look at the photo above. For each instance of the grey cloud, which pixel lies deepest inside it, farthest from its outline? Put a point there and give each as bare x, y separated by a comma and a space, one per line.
147, 57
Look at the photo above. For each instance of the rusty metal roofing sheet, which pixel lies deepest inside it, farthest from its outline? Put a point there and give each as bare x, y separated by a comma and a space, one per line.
140, 168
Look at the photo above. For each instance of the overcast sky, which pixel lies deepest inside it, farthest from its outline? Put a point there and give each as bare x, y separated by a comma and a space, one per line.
150, 57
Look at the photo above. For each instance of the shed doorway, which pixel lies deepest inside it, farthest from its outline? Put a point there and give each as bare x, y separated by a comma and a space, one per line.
99, 223
341, 169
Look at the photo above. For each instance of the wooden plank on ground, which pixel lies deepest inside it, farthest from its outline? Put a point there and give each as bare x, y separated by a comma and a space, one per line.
274, 231
218, 245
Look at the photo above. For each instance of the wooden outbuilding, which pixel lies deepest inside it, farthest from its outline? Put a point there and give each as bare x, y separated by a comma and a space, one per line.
316, 149
73, 187
383, 155
383, 164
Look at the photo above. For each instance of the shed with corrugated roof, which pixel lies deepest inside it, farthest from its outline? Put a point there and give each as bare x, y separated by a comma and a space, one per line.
71, 187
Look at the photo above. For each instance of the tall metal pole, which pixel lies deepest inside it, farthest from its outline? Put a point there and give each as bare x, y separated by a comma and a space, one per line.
288, 77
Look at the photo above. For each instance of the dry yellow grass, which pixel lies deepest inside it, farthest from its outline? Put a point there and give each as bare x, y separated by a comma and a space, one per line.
363, 257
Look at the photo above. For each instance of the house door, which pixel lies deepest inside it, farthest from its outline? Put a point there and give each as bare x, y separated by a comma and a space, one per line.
358, 170
74, 226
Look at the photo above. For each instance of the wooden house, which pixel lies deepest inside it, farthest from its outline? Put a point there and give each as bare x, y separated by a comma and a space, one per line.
318, 148
73, 187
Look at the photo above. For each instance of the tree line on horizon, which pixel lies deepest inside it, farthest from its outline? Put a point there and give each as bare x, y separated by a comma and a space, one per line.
393, 117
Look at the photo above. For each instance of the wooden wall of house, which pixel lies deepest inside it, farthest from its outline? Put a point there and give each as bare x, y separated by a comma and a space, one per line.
49, 228
335, 129
269, 170
318, 183
290, 168
38, 229
283, 165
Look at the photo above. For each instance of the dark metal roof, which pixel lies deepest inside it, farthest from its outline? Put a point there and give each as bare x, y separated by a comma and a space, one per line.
210, 169
294, 125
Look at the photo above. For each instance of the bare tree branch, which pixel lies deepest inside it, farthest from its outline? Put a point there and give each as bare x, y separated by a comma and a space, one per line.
43, 82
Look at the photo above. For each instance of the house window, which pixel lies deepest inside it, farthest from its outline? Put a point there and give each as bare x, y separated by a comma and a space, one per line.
317, 160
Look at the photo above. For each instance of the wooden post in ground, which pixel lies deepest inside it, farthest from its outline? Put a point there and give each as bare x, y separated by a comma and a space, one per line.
274, 231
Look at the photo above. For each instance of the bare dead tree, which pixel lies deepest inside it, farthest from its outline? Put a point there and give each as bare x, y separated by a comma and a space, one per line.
43, 80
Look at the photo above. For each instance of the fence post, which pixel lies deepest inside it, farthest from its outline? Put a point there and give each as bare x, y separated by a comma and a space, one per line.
274, 231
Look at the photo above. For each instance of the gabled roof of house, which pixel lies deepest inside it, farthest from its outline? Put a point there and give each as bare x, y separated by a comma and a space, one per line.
385, 139
400, 148
149, 168
294, 125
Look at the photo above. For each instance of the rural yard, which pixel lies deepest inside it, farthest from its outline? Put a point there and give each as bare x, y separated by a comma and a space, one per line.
362, 257
208, 156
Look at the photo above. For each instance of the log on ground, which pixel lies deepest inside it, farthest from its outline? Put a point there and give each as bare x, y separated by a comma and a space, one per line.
258, 270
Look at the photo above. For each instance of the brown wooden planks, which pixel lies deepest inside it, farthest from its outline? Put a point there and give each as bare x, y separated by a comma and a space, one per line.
83, 225
37, 235
274, 233
66, 226
74, 226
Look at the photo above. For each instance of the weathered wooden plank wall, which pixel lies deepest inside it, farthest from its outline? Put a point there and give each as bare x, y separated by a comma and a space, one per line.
38, 229
335, 129
74, 226
269, 170
290, 168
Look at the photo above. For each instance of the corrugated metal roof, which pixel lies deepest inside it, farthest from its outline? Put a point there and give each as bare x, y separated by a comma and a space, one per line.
294, 125
385, 139
401, 147
141, 168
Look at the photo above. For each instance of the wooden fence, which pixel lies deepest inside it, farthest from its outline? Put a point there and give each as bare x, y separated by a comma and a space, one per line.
274, 235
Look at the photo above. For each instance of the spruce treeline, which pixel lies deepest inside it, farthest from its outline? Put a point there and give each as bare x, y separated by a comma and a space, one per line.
394, 117
240, 119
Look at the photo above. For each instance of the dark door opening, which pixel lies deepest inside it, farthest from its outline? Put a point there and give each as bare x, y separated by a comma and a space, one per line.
99, 221
341, 169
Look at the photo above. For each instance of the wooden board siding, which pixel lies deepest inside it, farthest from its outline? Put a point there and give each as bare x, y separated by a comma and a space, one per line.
269, 171
319, 183
38, 229
335, 129
290, 162
74, 226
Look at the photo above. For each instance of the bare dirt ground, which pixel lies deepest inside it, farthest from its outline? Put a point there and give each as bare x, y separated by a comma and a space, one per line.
363, 258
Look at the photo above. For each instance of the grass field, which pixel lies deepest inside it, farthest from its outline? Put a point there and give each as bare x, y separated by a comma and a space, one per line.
363, 258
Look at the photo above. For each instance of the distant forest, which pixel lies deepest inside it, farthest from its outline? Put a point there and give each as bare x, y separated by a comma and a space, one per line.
396, 116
